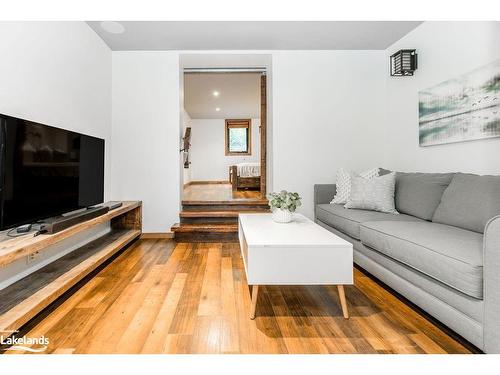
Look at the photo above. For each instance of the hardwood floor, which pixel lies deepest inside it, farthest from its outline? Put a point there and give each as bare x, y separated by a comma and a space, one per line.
163, 297
216, 192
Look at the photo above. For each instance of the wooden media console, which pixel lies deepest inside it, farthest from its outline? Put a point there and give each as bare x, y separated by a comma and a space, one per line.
23, 300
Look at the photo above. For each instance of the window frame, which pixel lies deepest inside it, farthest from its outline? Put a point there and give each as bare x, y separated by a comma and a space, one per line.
238, 123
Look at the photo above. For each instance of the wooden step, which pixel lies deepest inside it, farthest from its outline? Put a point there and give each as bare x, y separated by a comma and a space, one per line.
246, 202
210, 213
235, 205
188, 232
218, 228
27, 297
213, 217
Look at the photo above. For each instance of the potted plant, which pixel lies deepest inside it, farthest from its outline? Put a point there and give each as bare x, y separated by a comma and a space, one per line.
283, 204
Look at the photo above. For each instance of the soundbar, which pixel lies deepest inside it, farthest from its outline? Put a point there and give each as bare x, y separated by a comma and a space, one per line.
113, 205
58, 223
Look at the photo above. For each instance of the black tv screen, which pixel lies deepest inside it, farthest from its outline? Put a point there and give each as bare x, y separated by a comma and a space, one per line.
47, 171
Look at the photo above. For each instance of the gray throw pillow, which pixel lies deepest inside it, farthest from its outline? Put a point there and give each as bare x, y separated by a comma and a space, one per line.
469, 202
419, 194
376, 194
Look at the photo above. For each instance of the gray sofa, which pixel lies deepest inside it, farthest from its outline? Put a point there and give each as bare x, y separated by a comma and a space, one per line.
442, 251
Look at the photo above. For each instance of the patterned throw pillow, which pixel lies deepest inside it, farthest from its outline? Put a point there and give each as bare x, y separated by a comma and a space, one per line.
344, 184
376, 194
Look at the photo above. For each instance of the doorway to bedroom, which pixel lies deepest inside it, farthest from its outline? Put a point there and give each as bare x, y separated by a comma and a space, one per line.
224, 118
224, 148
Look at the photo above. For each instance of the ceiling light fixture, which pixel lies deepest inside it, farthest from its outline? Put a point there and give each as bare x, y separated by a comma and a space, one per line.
216, 93
217, 109
113, 27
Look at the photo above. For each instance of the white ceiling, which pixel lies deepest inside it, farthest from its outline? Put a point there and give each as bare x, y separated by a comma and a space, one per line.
239, 95
254, 35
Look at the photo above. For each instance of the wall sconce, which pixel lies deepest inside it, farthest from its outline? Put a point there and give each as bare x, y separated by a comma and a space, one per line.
403, 63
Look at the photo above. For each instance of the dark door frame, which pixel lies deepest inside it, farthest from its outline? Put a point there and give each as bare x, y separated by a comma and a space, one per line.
263, 135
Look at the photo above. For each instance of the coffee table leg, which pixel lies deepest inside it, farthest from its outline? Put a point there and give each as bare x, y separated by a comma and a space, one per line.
255, 292
343, 302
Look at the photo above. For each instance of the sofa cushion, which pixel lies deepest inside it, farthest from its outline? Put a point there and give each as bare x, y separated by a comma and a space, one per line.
448, 254
469, 202
419, 194
347, 220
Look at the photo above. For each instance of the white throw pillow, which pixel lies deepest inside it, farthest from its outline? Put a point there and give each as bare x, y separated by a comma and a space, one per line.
376, 194
344, 183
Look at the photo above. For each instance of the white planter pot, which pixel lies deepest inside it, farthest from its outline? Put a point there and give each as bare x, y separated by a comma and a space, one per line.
282, 216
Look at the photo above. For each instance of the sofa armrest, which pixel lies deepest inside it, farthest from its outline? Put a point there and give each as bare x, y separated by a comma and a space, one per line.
491, 276
323, 193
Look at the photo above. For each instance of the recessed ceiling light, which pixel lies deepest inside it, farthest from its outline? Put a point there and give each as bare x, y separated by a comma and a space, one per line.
216, 93
217, 109
112, 27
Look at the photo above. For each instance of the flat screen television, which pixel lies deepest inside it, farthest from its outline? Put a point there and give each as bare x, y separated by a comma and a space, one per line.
46, 171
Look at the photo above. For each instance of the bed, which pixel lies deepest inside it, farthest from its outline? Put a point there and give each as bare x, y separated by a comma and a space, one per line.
245, 176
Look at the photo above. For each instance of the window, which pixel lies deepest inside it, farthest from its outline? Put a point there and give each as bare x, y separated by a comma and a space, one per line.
238, 137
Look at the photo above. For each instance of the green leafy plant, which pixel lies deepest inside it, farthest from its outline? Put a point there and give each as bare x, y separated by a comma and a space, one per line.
285, 200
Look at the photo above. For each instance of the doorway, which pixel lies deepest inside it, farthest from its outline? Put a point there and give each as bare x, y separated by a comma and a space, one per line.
224, 150
224, 122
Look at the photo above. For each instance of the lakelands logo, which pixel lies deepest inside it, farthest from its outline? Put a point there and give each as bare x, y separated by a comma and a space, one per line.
24, 343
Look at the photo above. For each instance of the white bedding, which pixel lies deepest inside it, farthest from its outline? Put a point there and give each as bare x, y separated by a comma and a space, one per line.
248, 169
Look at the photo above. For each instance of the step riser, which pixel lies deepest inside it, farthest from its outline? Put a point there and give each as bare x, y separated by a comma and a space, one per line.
225, 208
206, 237
209, 220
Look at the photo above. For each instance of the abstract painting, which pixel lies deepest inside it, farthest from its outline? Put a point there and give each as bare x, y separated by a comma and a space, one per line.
461, 109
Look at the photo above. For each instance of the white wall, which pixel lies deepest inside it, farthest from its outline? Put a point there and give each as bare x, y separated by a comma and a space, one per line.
59, 74
146, 134
208, 154
445, 50
328, 112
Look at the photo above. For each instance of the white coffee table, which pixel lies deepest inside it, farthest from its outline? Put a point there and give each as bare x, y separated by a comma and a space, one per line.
296, 253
